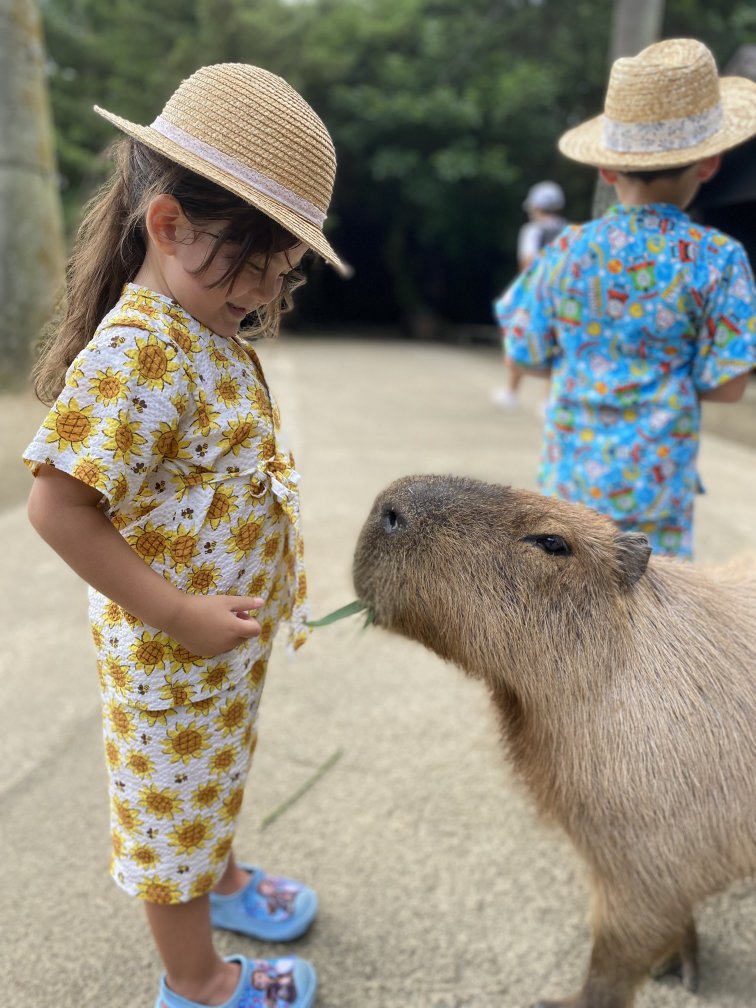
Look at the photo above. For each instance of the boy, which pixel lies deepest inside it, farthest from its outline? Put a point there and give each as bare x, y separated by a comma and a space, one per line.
543, 204
639, 315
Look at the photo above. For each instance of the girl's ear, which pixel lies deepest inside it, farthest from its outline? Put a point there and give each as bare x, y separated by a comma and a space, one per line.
165, 221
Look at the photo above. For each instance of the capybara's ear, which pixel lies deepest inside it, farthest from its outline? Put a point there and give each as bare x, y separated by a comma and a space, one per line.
633, 551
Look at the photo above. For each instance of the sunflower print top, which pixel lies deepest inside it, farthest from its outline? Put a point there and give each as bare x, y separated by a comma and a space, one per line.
636, 313
175, 426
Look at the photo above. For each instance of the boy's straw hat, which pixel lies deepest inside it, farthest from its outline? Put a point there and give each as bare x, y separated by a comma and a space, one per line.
251, 133
665, 108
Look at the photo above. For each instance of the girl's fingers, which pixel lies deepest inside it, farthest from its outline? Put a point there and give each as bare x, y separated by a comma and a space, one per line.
248, 627
243, 609
244, 604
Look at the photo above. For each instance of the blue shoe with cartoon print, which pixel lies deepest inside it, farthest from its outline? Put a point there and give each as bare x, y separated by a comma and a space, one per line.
268, 908
263, 983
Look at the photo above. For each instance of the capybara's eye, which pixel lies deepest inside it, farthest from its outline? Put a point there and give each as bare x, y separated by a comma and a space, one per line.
553, 544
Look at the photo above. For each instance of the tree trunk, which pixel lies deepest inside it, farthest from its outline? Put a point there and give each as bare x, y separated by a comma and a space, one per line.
635, 25
31, 230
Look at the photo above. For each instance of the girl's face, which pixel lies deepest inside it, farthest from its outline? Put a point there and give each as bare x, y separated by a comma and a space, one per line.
222, 308
177, 251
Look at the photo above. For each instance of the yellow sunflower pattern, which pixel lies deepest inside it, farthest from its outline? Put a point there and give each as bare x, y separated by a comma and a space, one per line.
176, 428
177, 786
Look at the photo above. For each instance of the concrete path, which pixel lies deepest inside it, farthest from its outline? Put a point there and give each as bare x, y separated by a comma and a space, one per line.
439, 889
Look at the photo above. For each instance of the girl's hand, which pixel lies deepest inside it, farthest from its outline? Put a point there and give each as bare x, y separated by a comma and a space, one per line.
67, 515
209, 625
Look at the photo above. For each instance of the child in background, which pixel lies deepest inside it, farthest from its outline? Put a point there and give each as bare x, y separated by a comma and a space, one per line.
639, 315
543, 204
162, 479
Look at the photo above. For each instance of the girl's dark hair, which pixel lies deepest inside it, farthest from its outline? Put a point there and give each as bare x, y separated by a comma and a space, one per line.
110, 248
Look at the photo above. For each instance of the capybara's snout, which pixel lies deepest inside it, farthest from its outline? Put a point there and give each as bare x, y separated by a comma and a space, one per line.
385, 525
386, 531
403, 525
392, 519
413, 509
406, 515
426, 539
407, 506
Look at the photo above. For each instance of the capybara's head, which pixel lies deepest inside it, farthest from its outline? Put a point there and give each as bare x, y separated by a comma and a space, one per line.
489, 576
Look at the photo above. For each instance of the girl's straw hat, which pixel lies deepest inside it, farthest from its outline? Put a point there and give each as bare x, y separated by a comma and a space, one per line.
665, 108
251, 133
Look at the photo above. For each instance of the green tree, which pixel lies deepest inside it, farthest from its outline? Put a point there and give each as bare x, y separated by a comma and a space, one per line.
30, 219
443, 115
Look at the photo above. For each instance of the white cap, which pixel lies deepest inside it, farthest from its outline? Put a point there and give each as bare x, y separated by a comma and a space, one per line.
546, 196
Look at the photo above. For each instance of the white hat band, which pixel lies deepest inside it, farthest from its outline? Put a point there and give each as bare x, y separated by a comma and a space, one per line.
656, 137
261, 183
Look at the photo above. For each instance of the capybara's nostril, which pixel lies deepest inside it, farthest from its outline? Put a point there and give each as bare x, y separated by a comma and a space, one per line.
393, 520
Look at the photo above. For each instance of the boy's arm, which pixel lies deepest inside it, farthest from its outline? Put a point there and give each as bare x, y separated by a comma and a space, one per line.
66, 514
524, 313
534, 372
726, 351
729, 391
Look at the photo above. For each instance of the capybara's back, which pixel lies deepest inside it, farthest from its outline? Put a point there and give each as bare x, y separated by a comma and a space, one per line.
626, 686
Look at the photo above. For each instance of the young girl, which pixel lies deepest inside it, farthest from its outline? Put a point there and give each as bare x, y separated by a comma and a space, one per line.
162, 480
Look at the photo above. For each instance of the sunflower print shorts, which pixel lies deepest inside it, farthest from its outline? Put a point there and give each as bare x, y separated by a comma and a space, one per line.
177, 781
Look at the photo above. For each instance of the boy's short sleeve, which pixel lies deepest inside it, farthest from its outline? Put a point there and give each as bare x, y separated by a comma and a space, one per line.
727, 338
523, 313
117, 414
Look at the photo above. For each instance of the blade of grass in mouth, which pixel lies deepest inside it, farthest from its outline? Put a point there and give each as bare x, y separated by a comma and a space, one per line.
342, 613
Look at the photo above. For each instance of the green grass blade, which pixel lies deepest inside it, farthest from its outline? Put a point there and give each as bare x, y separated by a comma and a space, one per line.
347, 610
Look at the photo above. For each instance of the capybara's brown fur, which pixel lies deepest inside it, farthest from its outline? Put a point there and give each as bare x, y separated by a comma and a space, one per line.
626, 687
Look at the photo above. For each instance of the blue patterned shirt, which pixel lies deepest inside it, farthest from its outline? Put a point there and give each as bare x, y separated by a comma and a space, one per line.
635, 313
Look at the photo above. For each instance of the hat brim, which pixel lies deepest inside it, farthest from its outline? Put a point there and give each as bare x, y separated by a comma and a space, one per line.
301, 228
738, 94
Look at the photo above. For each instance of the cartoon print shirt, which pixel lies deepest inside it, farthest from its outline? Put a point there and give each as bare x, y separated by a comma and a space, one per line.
175, 426
635, 313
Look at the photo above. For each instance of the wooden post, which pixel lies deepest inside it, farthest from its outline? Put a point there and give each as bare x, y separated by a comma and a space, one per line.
635, 25
31, 230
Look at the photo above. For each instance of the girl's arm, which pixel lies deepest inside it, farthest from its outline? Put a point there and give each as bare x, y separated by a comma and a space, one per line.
729, 391
65, 512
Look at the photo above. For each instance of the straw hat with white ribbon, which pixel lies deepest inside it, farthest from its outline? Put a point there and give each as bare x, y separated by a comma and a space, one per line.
665, 108
251, 133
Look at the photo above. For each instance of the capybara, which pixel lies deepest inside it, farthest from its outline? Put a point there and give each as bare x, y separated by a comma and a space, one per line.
626, 687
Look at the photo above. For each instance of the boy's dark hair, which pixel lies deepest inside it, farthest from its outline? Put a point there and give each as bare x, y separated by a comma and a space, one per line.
654, 173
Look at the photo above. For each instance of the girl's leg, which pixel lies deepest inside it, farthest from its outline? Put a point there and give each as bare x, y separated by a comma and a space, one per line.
184, 940
233, 879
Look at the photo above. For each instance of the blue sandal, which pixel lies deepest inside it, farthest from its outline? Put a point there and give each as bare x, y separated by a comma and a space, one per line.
268, 908
263, 983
